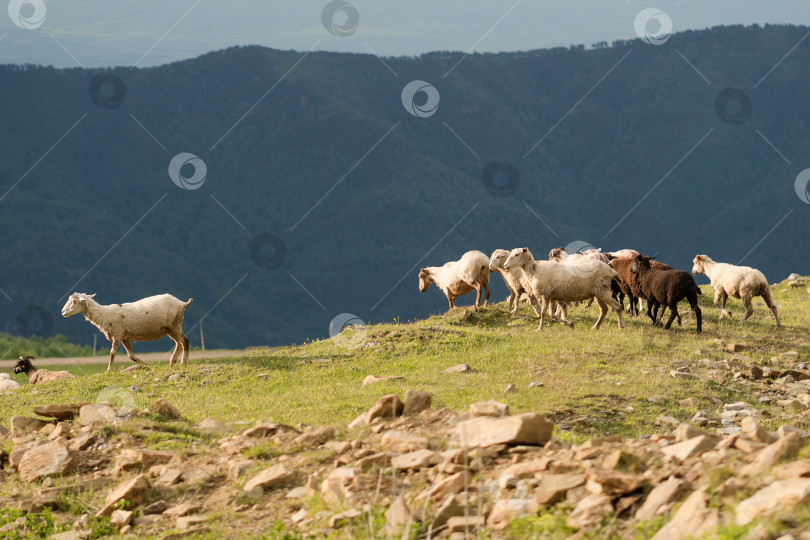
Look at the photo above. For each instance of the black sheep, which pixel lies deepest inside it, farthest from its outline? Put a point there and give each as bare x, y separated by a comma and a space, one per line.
666, 288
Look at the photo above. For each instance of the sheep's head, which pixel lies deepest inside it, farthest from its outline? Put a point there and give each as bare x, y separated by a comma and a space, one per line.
497, 259
24, 364
697, 264
557, 254
517, 258
425, 280
76, 303
640, 263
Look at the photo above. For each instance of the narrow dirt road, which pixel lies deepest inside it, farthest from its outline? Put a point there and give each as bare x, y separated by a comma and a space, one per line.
121, 358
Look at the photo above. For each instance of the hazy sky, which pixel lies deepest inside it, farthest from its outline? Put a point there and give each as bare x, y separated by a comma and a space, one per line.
151, 32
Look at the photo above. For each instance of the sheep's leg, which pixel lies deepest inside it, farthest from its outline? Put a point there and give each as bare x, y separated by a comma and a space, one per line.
186, 349
766, 295
602, 312
182, 346
544, 303
486, 300
618, 308
535, 305
513, 302
115, 345
749, 309
561, 308
451, 300
674, 313
650, 313
478, 289
128, 346
178, 348
723, 299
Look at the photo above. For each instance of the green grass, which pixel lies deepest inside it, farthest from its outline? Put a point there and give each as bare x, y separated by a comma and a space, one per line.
595, 382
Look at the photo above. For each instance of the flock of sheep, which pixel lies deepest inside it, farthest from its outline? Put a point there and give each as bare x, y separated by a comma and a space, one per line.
606, 278
551, 285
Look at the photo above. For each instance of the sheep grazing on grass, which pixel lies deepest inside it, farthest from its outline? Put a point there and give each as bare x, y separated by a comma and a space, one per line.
470, 273
39, 376
7, 383
737, 281
551, 280
145, 320
666, 288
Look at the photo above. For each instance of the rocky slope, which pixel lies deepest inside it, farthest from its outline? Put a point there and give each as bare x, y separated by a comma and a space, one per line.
404, 469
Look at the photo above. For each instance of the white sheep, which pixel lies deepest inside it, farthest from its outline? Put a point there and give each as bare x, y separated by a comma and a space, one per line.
737, 281
39, 376
510, 277
623, 254
147, 319
7, 383
455, 278
551, 280
517, 293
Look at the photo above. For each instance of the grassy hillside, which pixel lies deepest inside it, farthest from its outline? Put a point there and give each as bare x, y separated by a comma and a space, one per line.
594, 382
416, 199
605, 382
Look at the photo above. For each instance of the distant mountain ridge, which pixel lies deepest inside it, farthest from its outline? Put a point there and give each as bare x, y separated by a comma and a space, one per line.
323, 194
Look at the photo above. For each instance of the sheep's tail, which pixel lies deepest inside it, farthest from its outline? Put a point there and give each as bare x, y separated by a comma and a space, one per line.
188, 303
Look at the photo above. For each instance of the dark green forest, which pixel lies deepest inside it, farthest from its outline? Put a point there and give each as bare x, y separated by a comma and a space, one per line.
88, 196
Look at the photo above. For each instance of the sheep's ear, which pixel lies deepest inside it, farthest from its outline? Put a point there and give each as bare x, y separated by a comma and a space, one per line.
524, 250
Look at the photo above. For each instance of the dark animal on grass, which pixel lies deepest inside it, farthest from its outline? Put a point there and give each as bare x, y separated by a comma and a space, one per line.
630, 286
666, 288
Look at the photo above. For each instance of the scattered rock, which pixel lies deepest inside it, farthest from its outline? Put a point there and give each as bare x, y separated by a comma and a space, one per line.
692, 520
182, 509
315, 436
270, 478
372, 379
691, 447
416, 401
397, 516
784, 448
401, 441
736, 347
130, 459
418, 459
49, 459
81, 442
132, 491
660, 495
389, 406
464, 524
165, 409
448, 508
20, 425
348, 515
98, 413
209, 424
60, 412
527, 428
553, 487
690, 402
536, 385
510, 389
460, 368
780, 495
667, 421
489, 408
589, 511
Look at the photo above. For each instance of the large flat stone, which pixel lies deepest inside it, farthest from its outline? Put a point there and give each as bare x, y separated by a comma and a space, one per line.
527, 428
